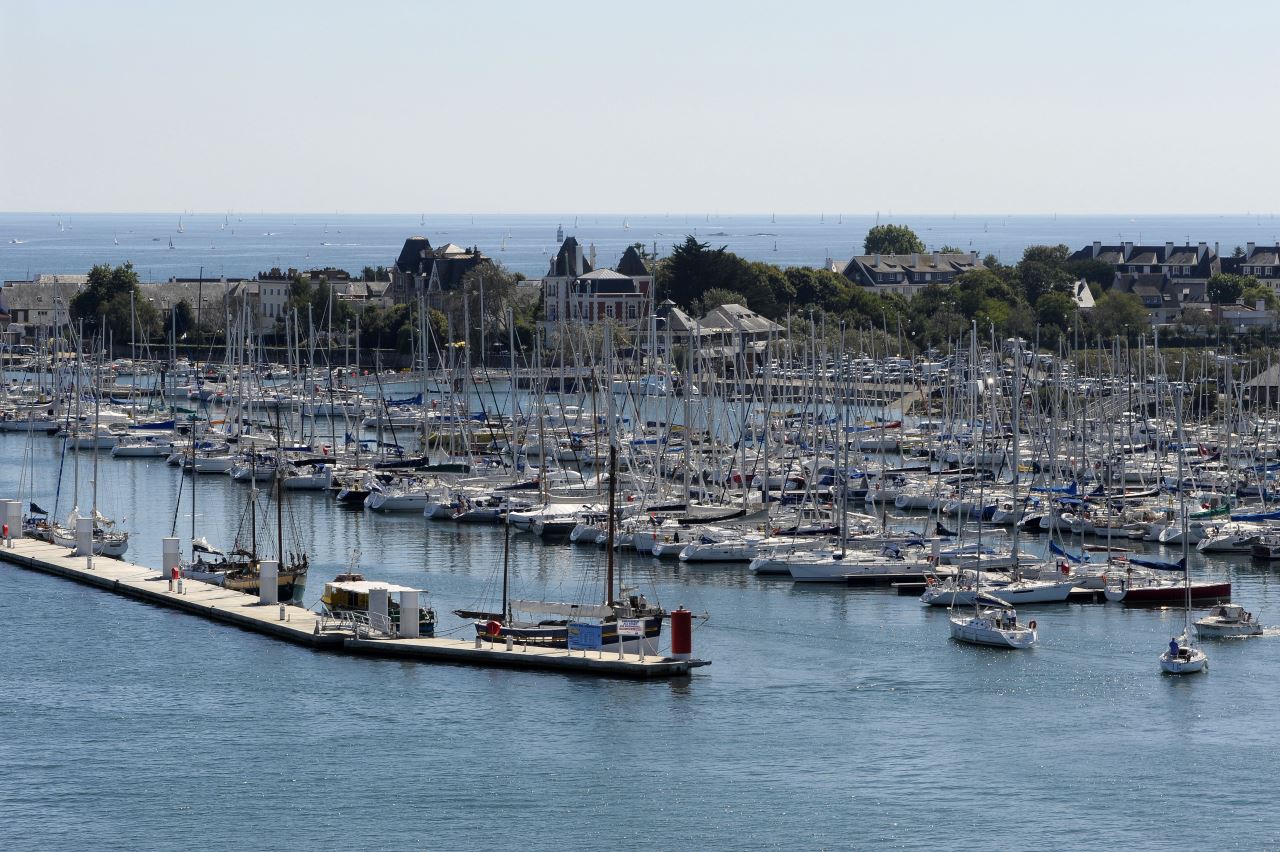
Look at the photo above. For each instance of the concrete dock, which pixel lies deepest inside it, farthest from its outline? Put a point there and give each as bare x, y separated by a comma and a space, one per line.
304, 627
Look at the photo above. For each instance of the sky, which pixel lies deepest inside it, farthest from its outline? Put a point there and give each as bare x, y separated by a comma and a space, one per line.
654, 107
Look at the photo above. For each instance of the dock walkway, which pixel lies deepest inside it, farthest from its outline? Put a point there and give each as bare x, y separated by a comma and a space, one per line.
304, 627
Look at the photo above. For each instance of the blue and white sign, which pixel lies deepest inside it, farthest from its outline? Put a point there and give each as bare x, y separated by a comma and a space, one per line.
584, 637
630, 626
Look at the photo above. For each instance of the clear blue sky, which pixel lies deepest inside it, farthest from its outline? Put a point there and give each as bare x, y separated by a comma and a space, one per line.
693, 106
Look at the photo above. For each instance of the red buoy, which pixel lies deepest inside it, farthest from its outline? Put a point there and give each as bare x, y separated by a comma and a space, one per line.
681, 634
493, 628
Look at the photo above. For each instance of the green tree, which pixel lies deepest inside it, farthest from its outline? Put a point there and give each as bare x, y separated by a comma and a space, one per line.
1256, 291
1225, 288
717, 296
1117, 314
1094, 271
184, 319
1055, 310
1055, 256
892, 239
108, 293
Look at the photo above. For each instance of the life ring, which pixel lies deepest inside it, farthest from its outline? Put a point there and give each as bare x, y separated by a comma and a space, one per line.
493, 627
928, 581
1032, 624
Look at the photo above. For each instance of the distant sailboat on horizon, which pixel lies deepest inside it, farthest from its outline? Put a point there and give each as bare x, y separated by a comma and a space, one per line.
171, 242
180, 225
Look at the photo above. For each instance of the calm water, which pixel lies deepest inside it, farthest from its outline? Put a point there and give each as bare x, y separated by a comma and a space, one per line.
832, 718
244, 244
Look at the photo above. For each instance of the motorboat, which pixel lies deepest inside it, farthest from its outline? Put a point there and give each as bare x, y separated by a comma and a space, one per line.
1227, 621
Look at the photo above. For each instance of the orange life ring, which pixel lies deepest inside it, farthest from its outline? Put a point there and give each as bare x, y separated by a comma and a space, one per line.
1032, 624
493, 628
928, 581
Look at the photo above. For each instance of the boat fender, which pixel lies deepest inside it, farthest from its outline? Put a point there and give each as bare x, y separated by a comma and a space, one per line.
928, 581
493, 628
1032, 624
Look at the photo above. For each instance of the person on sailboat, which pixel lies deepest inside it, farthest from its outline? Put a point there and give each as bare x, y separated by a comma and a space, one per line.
1173, 647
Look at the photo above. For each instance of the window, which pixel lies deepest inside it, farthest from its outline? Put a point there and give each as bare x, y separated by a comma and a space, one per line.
608, 310
631, 311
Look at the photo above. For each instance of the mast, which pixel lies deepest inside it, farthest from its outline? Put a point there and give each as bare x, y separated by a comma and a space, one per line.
613, 470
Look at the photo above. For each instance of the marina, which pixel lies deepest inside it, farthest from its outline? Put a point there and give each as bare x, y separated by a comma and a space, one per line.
802, 555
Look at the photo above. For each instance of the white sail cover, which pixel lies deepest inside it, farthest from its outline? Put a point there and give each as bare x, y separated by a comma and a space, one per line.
566, 609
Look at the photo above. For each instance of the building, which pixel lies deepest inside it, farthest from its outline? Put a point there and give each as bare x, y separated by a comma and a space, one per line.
1188, 267
1261, 262
421, 268
908, 274
39, 308
573, 291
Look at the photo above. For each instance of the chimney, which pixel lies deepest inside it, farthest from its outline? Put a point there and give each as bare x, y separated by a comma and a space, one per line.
1260, 305
577, 260
1126, 250
1168, 251
1097, 247
1248, 249
915, 256
974, 257
877, 258
1201, 248
1217, 249
935, 260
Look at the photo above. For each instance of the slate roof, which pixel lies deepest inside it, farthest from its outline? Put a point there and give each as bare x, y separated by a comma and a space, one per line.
632, 264
413, 255
737, 318
564, 264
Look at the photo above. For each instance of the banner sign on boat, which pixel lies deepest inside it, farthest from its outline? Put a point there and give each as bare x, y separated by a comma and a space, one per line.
630, 626
584, 637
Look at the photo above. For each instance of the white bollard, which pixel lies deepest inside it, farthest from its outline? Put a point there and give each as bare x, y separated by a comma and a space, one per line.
282, 612
84, 540
409, 615
268, 582
479, 642
181, 588
170, 557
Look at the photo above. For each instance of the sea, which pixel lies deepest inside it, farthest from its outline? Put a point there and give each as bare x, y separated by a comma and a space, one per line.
830, 718
238, 245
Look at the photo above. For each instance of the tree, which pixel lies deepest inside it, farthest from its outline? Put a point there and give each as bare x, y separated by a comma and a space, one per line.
1225, 288
717, 296
183, 319
1055, 310
1094, 271
109, 293
1055, 256
892, 239
1238, 251
1117, 314
951, 250
1256, 291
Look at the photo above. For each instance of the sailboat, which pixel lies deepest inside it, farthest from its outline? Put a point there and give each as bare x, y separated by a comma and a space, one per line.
1182, 657
994, 621
171, 242
180, 225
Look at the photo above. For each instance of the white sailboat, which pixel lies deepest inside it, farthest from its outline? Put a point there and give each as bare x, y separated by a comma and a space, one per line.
1182, 657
